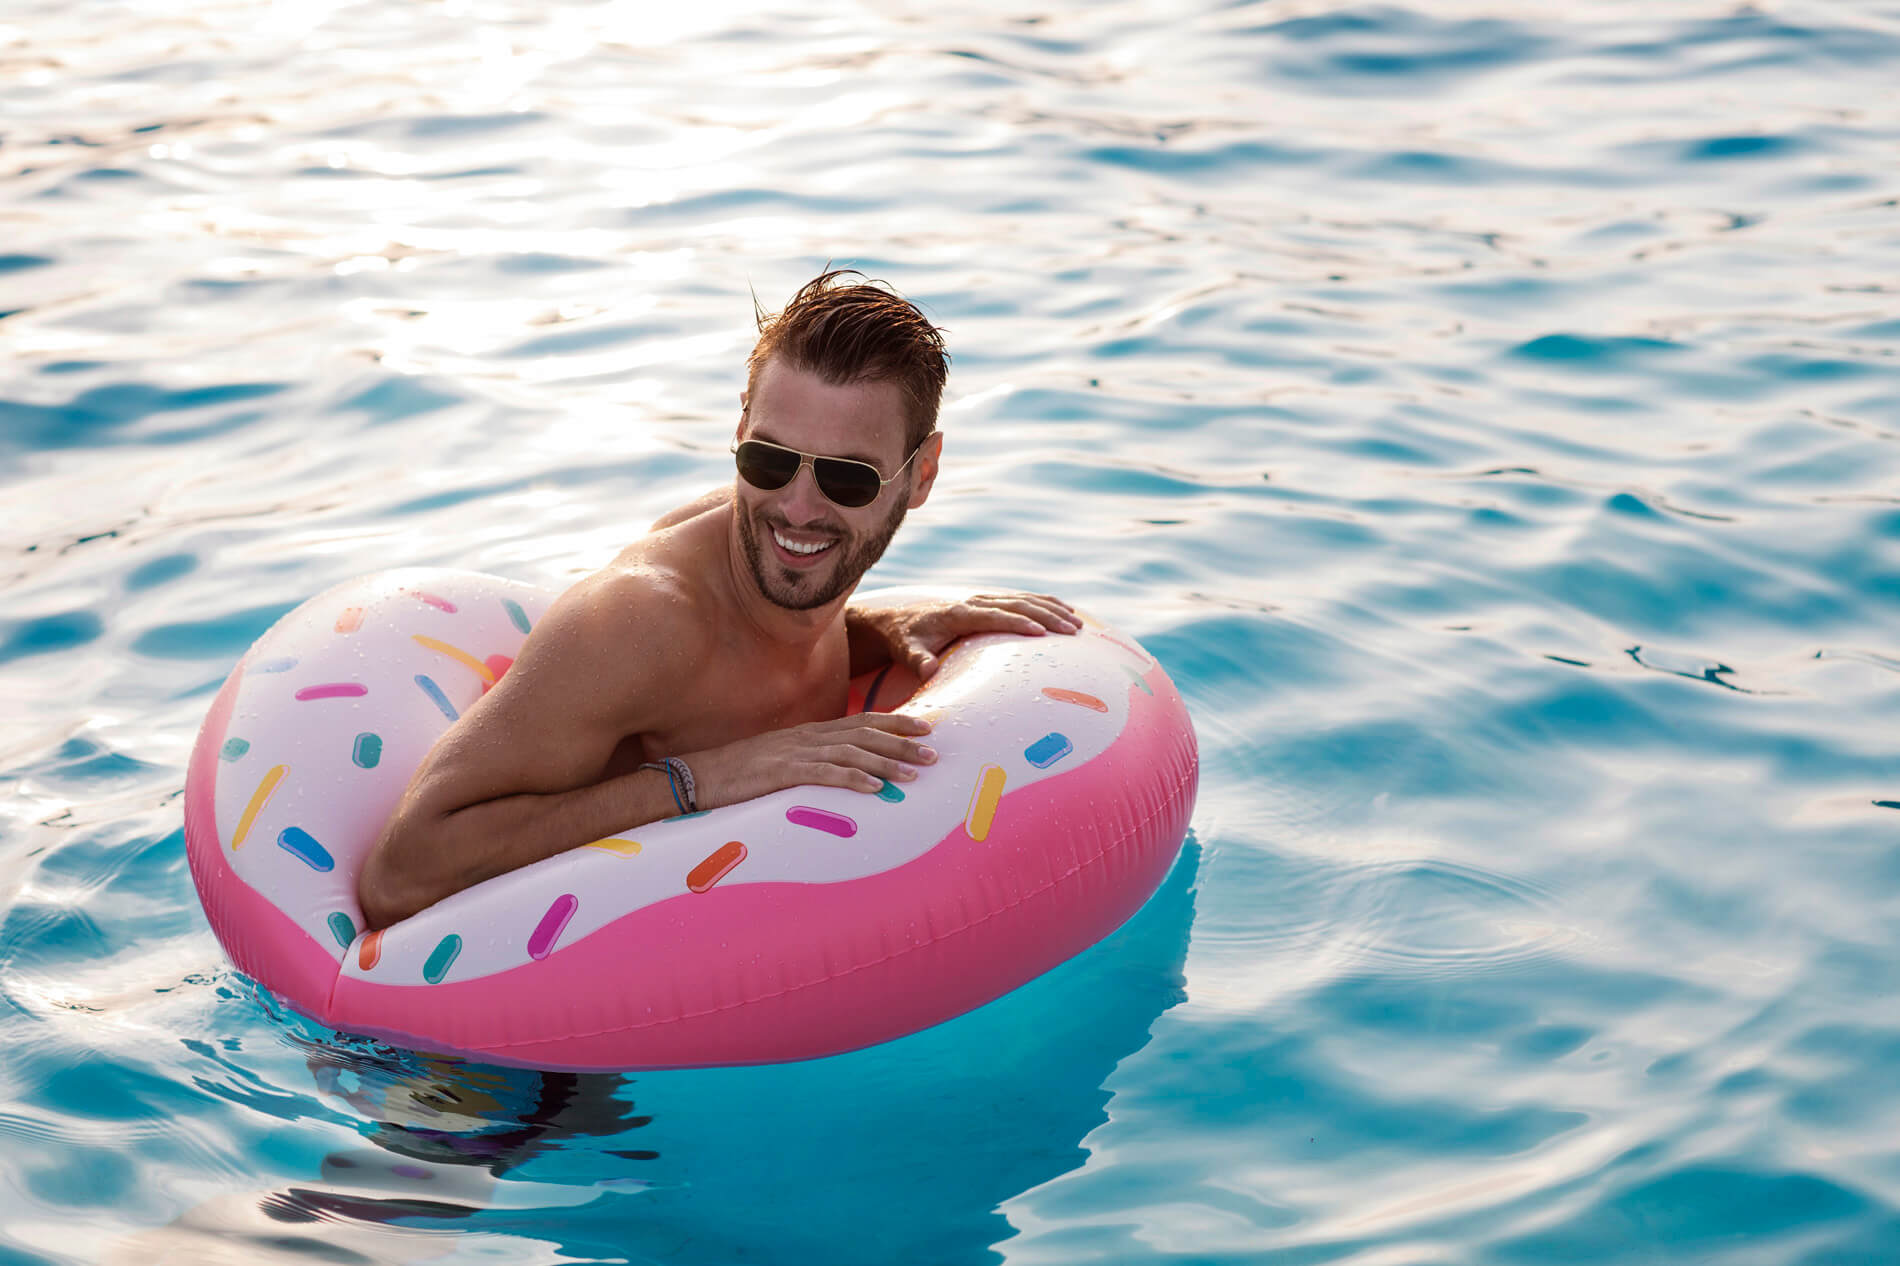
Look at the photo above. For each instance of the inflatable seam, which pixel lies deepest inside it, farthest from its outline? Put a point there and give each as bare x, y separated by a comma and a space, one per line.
1169, 802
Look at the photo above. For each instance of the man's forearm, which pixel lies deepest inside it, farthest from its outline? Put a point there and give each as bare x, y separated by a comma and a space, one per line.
422, 858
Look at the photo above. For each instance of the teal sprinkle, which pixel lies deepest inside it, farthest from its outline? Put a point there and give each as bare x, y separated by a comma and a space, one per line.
516, 614
1138, 679
442, 959
368, 750
234, 748
342, 929
681, 817
892, 792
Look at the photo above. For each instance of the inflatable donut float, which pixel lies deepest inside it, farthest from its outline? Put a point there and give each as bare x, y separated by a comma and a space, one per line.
805, 923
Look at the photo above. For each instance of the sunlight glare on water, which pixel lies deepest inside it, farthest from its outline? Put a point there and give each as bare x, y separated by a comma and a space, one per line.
1486, 413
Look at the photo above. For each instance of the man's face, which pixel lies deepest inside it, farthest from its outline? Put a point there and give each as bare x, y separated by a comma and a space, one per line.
805, 550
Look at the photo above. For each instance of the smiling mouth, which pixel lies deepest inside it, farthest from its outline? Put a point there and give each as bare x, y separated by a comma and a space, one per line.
804, 550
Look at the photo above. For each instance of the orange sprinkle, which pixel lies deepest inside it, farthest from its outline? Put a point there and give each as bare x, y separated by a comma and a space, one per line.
350, 620
716, 867
370, 952
1074, 696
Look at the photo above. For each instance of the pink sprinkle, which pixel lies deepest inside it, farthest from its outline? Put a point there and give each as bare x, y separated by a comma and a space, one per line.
333, 690
441, 604
820, 820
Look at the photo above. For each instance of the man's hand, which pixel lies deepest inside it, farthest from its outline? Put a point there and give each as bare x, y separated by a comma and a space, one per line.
858, 752
918, 632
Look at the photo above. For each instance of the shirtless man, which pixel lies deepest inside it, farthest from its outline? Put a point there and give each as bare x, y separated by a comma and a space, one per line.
722, 638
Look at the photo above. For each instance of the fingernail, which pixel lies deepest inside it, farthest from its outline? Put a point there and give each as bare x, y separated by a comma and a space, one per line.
926, 754
906, 772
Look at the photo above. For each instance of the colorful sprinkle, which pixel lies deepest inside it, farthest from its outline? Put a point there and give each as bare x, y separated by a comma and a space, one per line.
440, 604
552, 924
370, 952
983, 802
1138, 679
342, 928
892, 792
368, 750
234, 748
350, 620
1136, 651
258, 797
820, 820
332, 690
1047, 750
459, 655
516, 614
436, 697
687, 817
276, 666
619, 847
301, 845
442, 958
1076, 697
716, 867
498, 665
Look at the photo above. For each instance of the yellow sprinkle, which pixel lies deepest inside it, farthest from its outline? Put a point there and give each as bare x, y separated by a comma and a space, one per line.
456, 653
625, 848
989, 793
258, 797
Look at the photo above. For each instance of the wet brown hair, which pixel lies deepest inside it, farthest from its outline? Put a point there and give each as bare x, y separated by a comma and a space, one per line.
858, 332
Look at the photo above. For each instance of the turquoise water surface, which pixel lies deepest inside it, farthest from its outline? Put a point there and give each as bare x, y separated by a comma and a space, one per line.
1488, 413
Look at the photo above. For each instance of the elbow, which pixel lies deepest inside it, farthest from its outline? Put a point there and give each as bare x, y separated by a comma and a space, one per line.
387, 890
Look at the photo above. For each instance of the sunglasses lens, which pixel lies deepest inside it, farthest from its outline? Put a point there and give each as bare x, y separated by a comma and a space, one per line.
850, 484
764, 467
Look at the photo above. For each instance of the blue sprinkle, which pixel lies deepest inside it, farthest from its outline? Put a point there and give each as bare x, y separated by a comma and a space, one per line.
276, 665
342, 929
301, 845
234, 748
437, 697
1047, 750
516, 614
442, 958
681, 817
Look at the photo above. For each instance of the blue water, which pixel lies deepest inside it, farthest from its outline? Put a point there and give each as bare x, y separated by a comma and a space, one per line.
1489, 414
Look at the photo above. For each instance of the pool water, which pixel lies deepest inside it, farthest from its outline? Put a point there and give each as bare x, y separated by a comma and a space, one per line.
1489, 414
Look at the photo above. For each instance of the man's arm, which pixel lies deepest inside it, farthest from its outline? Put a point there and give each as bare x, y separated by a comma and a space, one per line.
917, 633
518, 779
515, 779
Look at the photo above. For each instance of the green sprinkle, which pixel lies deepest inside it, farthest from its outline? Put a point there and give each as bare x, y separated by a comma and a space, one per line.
234, 748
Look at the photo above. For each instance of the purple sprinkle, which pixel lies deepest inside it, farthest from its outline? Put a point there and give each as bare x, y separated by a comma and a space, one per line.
552, 924
820, 820
333, 690
410, 1171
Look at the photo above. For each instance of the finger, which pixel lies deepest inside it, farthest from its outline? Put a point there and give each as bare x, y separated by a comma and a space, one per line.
879, 767
1048, 612
896, 746
890, 722
822, 774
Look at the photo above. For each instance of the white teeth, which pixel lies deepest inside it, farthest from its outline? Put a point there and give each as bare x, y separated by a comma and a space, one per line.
796, 548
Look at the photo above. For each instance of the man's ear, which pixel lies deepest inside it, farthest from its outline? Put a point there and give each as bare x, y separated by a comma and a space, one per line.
929, 453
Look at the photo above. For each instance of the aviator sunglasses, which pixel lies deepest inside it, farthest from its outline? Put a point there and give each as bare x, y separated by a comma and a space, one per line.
847, 482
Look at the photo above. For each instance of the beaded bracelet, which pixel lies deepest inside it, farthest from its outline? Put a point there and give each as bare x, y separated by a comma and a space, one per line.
684, 776
672, 781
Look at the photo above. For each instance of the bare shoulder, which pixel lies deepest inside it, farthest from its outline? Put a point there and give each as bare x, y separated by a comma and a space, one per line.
693, 509
627, 622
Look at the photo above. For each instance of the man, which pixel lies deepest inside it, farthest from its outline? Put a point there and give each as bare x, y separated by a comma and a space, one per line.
719, 647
